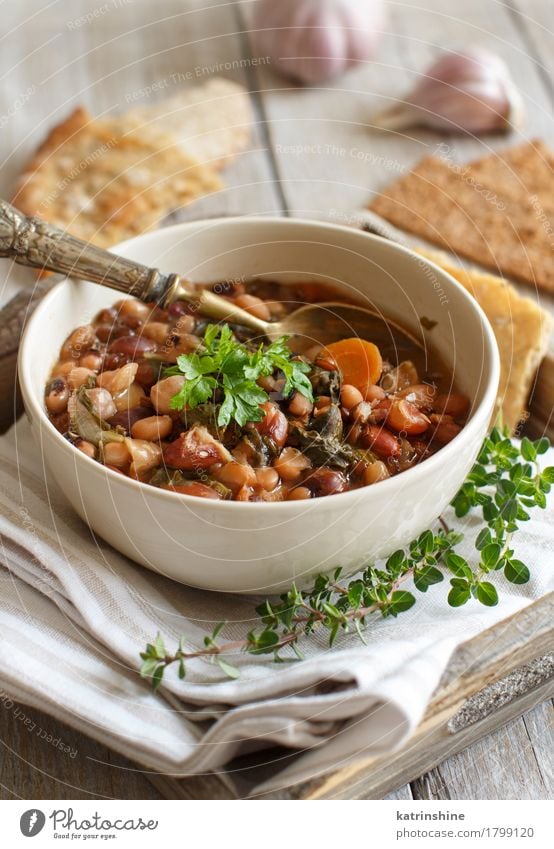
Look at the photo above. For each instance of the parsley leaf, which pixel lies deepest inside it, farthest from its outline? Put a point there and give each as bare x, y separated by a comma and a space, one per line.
225, 364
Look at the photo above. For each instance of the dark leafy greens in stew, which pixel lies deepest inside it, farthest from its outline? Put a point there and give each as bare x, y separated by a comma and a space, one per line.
170, 399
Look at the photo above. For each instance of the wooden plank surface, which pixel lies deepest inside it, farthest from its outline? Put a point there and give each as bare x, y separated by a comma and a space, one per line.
313, 152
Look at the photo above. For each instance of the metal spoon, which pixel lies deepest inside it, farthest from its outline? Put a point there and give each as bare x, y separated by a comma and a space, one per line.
36, 243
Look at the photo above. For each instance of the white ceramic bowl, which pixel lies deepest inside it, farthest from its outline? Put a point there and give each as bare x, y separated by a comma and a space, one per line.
259, 547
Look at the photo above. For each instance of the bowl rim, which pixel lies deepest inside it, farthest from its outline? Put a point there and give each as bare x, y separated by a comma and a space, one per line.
427, 466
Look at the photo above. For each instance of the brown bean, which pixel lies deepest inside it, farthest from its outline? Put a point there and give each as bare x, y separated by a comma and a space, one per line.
376, 471
116, 454
452, 405
300, 493
153, 428
78, 342
253, 305
421, 395
127, 418
404, 417
267, 478
291, 463
374, 393
88, 449
91, 361
299, 405
200, 490
158, 331
381, 441
274, 424
445, 431
134, 308
132, 346
324, 481
350, 396
57, 395
236, 475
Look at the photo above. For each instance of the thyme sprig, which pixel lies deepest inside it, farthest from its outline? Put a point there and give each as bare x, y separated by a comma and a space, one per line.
505, 482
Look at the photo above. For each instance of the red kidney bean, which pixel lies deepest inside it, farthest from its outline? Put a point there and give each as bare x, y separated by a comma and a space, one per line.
445, 431
381, 441
132, 346
109, 332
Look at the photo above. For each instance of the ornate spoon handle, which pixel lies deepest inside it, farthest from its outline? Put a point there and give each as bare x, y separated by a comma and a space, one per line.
34, 242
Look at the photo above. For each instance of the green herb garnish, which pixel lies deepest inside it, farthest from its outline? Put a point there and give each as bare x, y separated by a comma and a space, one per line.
225, 364
504, 483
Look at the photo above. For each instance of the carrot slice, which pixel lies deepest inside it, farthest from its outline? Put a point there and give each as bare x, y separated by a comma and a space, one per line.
358, 361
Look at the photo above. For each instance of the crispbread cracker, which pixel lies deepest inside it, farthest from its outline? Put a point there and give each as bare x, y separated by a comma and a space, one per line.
211, 122
519, 173
443, 203
105, 182
522, 331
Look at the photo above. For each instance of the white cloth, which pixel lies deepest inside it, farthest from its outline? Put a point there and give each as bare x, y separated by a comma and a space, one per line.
74, 615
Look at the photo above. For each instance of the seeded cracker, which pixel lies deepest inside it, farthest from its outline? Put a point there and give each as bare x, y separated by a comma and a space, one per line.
445, 203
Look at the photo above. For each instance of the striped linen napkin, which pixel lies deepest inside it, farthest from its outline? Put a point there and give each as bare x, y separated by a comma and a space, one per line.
74, 615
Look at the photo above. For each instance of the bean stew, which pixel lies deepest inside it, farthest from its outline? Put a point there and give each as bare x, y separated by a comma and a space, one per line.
169, 399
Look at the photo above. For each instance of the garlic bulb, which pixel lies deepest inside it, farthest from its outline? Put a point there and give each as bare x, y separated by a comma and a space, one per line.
468, 91
316, 40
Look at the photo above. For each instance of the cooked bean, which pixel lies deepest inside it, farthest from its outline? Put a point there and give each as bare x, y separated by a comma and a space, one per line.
147, 374
267, 478
194, 450
132, 346
57, 395
184, 324
86, 447
163, 391
421, 395
118, 380
63, 369
133, 307
322, 402
452, 405
116, 454
255, 306
444, 430
376, 471
291, 463
106, 316
350, 396
300, 406
178, 308
274, 424
114, 361
324, 481
300, 493
144, 456
381, 441
405, 417
158, 331
152, 428
127, 418
200, 490
236, 475
78, 342
102, 402
130, 397
78, 376
374, 393
91, 361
